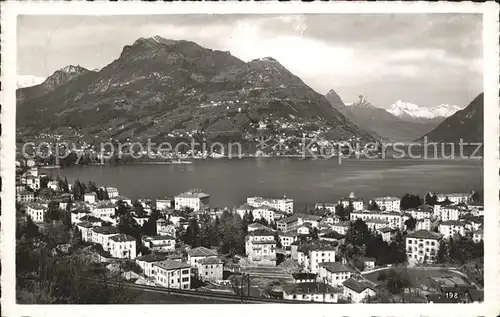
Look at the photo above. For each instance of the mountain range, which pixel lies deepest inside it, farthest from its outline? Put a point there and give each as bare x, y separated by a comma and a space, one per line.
406, 110
158, 85
466, 125
381, 123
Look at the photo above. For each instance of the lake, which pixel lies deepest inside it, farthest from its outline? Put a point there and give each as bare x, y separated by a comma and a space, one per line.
230, 181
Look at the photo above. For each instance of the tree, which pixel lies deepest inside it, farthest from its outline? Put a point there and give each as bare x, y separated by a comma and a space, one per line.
138, 209
411, 223
410, 201
53, 211
397, 281
349, 210
430, 199
340, 211
44, 181
75, 238
278, 240
128, 225
190, 236
373, 205
358, 233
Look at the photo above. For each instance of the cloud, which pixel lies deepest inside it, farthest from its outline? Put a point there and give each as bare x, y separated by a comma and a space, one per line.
422, 58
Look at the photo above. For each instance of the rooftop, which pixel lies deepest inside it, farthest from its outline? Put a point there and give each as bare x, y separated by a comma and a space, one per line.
309, 288
172, 265
452, 223
151, 258
304, 276
192, 194
336, 267
385, 229
424, 234
201, 251
210, 261
106, 230
386, 198
159, 237
122, 238
261, 233
356, 286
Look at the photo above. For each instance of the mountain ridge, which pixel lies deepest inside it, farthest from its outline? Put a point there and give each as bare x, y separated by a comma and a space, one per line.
158, 85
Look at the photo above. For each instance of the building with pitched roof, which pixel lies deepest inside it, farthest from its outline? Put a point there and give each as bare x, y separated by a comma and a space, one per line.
311, 255
451, 227
422, 245
357, 291
164, 243
101, 235
210, 269
172, 274
146, 263
196, 254
388, 203
122, 246
193, 199
311, 292
260, 247
284, 204
334, 273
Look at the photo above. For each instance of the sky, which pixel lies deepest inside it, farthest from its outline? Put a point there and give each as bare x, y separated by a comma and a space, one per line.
426, 59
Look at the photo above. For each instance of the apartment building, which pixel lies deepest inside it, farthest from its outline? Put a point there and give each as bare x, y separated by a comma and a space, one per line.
311, 292
122, 246
101, 235
393, 219
311, 255
287, 238
341, 227
199, 253
446, 213
90, 198
210, 269
357, 291
164, 243
244, 210
376, 224
284, 204
264, 212
146, 263
162, 204
105, 209
334, 273
260, 247
451, 227
195, 200
422, 245
328, 207
36, 211
173, 274
356, 202
455, 198
387, 203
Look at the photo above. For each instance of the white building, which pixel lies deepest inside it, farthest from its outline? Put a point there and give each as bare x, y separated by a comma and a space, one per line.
287, 238
263, 212
478, 236
312, 255
357, 291
451, 227
422, 245
388, 203
260, 247
419, 213
376, 224
163, 228
112, 192
356, 202
386, 233
423, 224
101, 235
341, 227
36, 212
90, 198
54, 185
303, 230
196, 254
455, 197
192, 199
210, 269
122, 246
33, 182
86, 230
334, 273
173, 274
159, 243
476, 210
162, 204
105, 209
146, 263
394, 219
311, 292
329, 207
283, 204
447, 212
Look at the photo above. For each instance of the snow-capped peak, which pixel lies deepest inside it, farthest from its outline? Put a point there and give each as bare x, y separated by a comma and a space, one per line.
362, 103
409, 110
28, 80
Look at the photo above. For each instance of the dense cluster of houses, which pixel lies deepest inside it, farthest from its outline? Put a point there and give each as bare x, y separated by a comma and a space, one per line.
323, 276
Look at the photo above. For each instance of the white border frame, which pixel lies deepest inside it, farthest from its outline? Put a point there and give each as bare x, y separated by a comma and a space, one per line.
490, 13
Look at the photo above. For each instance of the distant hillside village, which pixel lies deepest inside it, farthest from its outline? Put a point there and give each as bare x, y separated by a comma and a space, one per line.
354, 250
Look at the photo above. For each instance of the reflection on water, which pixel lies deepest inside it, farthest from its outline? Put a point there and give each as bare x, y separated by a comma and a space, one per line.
308, 181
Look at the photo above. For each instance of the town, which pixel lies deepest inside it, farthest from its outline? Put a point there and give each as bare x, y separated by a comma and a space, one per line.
352, 250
